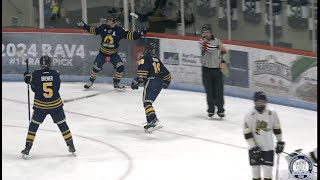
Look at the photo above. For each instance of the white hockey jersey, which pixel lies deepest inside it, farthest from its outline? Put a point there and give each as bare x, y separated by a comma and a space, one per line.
259, 129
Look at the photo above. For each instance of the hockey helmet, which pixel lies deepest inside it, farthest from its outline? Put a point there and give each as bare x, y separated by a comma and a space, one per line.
113, 18
259, 95
150, 49
45, 62
206, 28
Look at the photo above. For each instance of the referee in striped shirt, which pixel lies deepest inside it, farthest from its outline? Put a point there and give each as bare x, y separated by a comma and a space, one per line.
212, 60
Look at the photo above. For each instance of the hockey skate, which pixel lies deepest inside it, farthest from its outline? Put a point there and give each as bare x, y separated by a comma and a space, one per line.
152, 126
221, 114
88, 85
72, 149
210, 115
119, 86
26, 150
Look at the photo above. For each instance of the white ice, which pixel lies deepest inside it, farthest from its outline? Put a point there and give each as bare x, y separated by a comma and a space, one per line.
111, 143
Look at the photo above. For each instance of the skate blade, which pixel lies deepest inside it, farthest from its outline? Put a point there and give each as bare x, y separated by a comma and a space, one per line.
216, 118
150, 130
120, 89
86, 89
73, 154
24, 156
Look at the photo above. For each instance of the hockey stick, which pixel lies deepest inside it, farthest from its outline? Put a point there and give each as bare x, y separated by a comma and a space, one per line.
277, 166
19, 54
27, 63
136, 16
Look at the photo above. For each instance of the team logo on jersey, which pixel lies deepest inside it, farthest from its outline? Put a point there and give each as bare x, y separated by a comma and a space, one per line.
261, 125
300, 167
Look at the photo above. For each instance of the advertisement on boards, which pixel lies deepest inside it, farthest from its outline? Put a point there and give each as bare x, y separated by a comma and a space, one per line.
183, 59
72, 54
286, 75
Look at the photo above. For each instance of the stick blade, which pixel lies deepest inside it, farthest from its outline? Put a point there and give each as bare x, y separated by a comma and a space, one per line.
134, 15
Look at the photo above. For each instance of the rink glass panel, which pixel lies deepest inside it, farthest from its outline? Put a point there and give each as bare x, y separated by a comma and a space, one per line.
17, 13
69, 13
98, 10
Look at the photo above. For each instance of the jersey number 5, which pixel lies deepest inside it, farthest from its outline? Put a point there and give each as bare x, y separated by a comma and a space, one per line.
48, 92
156, 67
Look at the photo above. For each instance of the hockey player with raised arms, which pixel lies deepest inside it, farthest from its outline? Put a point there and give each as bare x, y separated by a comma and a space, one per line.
111, 34
155, 76
260, 124
45, 83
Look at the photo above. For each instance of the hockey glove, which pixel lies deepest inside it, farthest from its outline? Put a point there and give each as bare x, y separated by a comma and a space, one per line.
143, 32
27, 77
165, 84
204, 46
80, 24
280, 147
256, 152
135, 84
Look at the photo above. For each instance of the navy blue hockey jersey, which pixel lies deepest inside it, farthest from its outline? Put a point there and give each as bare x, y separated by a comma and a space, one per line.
152, 67
45, 83
110, 37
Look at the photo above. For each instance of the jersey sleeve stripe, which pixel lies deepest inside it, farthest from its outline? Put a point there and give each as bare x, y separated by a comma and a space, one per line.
131, 35
142, 73
167, 78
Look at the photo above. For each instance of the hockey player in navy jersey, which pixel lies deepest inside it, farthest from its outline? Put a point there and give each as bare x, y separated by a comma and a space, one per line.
155, 76
111, 34
45, 83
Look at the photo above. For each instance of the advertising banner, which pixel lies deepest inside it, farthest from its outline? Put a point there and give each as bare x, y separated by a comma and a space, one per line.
286, 75
72, 54
183, 60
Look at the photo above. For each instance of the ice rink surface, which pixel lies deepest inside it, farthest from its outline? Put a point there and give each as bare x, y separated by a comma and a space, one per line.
111, 144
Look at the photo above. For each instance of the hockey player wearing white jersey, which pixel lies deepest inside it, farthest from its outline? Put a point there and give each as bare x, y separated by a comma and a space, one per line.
259, 126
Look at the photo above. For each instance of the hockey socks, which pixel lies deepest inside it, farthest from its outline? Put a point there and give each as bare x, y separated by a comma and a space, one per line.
33, 127
119, 72
150, 112
93, 74
65, 132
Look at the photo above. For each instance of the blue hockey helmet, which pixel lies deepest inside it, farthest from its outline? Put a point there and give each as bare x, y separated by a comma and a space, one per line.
45, 62
113, 18
150, 49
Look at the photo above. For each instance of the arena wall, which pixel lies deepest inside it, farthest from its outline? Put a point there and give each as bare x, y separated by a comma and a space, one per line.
288, 76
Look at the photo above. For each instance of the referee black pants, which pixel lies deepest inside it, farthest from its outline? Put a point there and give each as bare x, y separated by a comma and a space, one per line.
212, 79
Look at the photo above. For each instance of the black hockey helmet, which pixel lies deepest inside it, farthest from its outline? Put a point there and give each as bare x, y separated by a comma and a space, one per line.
45, 62
150, 49
206, 28
259, 95
113, 18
